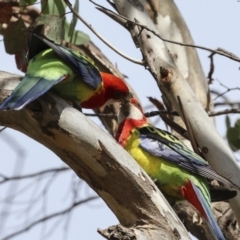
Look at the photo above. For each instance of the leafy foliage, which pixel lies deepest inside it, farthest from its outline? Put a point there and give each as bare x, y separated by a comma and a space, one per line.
52, 23
53, 7
5, 12
15, 29
75, 37
26, 2
53, 27
233, 134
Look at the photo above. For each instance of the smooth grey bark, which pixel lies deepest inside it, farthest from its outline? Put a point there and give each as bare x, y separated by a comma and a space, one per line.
171, 26
173, 85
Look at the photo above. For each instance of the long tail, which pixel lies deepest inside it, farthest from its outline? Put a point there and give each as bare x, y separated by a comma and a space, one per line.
29, 89
194, 195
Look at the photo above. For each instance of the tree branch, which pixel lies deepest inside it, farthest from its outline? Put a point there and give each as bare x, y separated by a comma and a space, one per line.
52, 170
105, 166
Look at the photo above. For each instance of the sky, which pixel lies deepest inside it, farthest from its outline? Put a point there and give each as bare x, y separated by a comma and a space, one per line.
212, 24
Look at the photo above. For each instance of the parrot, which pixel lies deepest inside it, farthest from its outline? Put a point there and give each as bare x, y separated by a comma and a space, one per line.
69, 74
179, 173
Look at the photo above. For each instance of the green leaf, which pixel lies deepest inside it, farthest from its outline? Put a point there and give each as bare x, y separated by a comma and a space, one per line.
24, 3
77, 37
74, 21
53, 27
13, 44
50, 26
233, 135
53, 7
228, 122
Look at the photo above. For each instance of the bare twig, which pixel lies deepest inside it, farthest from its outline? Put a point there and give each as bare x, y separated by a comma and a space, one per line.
53, 170
231, 104
44, 194
173, 113
189, 128
99, 36
219, 51
156, 113
226, 100
2, 129
147, 114
211, 70
107, 115
13, 186
224, 112
50, 217
228, 53
169, 121
210, 114
227, 89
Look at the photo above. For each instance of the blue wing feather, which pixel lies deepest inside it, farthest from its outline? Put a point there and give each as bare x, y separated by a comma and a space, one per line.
213, 226
29, 89
81, 65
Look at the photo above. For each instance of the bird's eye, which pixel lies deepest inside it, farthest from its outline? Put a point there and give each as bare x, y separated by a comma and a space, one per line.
117, 94
138, 106
120, 94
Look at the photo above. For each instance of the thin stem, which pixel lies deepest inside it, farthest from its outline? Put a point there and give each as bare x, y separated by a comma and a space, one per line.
49, 217
219, 51
100, 37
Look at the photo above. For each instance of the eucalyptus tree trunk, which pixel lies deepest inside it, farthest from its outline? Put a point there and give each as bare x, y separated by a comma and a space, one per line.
178, 73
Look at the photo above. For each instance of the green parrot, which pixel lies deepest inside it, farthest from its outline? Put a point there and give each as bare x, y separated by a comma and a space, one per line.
179, 173
69, 74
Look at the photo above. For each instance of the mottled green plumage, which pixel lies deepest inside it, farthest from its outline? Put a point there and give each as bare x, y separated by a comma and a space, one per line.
52, 67
46, 71
71, 75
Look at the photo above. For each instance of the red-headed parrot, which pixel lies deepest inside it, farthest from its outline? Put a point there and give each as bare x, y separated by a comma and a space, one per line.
179, 173
69, 74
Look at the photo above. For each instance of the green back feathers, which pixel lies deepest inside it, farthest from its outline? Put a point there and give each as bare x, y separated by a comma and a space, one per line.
48, 65
47, 70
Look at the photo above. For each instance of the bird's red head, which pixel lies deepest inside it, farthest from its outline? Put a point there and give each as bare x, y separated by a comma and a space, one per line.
135, 102
115, 88
130, 116
131, 109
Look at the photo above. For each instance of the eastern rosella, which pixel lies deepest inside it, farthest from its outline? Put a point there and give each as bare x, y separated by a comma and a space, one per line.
71, 75
178, 172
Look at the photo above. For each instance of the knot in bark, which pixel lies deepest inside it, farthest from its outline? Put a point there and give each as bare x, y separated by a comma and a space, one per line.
165, 75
